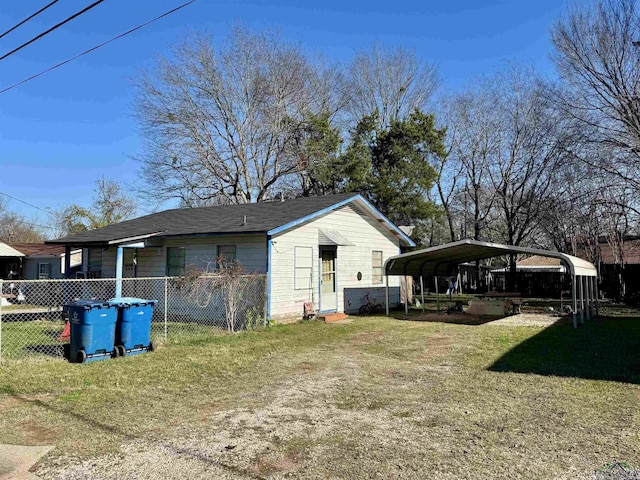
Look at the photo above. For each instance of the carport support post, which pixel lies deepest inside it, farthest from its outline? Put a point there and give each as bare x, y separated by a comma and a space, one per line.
386, 294
119, 262
406, 295
581, 300
422, 292
437, 293
574, 295
587, 287
596, 296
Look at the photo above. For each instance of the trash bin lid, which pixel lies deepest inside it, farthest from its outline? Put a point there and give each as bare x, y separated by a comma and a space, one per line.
124, 301
88, 304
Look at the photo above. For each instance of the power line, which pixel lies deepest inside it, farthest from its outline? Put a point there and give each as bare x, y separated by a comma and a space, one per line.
64, 62
77, 14
27, 203
28, 18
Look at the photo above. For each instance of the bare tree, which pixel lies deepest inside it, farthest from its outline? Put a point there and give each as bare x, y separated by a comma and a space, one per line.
391, 82
529, 149
14, 228
110, 205
221, 121
475, 138
598, 58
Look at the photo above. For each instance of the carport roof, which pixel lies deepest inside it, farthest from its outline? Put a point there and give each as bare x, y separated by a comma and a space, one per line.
443, 259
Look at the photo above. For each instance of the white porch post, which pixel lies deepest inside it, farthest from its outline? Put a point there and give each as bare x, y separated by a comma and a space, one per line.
574, 295
119, 265
386, 294
437, 293
422, 292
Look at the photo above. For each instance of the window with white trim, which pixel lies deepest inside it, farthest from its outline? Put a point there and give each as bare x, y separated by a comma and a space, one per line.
303, 268
44, 271
376, 271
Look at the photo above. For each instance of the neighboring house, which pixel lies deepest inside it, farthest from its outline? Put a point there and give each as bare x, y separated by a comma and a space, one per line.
36, 261
326, 250
619, 268
537, 277
10, 262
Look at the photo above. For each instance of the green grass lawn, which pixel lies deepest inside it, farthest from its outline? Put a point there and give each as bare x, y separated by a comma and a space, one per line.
39, 338
409, 399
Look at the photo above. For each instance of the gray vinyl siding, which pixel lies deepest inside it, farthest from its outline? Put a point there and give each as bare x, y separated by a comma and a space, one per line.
30, 267
200, 253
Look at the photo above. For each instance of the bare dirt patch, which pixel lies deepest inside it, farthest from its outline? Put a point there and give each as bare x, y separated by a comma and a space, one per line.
460, 318
530, 319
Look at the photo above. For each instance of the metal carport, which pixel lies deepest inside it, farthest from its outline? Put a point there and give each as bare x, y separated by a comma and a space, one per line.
444, 260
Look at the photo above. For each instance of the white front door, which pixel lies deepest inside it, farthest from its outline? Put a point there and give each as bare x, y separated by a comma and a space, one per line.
328, 293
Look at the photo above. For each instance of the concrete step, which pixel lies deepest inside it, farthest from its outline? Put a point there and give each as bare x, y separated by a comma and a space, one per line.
332, 317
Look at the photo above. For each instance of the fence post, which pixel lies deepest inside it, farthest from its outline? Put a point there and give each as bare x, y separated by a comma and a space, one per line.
166, 303
1, 287
266, 300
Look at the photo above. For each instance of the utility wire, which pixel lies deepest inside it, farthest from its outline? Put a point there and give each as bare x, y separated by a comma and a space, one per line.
28, 18
64, 62
77, 14
27, 203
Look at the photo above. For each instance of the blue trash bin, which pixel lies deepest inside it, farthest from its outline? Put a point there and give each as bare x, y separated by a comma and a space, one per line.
93, 326
133, 329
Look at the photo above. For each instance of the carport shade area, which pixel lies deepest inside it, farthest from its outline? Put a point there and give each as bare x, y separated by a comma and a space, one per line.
444, 260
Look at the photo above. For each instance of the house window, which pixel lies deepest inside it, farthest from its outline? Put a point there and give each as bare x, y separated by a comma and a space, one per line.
303, 268
94, 262
175, 261
226, 254
44, 271
376, 273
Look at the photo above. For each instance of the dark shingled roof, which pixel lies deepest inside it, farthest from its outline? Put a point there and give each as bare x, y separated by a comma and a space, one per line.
224, 219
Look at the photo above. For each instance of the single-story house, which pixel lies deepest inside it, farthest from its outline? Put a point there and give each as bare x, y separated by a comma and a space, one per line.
35, 261
328, 250
538, 276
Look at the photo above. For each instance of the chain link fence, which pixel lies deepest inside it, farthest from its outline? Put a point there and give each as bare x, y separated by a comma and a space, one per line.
31, 321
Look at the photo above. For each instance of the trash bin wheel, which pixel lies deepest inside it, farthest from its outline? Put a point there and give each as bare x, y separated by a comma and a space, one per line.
115, 353
82, 356
121, 351
151, 347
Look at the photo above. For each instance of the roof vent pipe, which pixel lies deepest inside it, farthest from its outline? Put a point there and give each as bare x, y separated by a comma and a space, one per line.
244, 219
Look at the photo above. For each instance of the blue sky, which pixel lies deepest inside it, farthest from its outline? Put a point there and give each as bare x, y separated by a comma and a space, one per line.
63, 130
